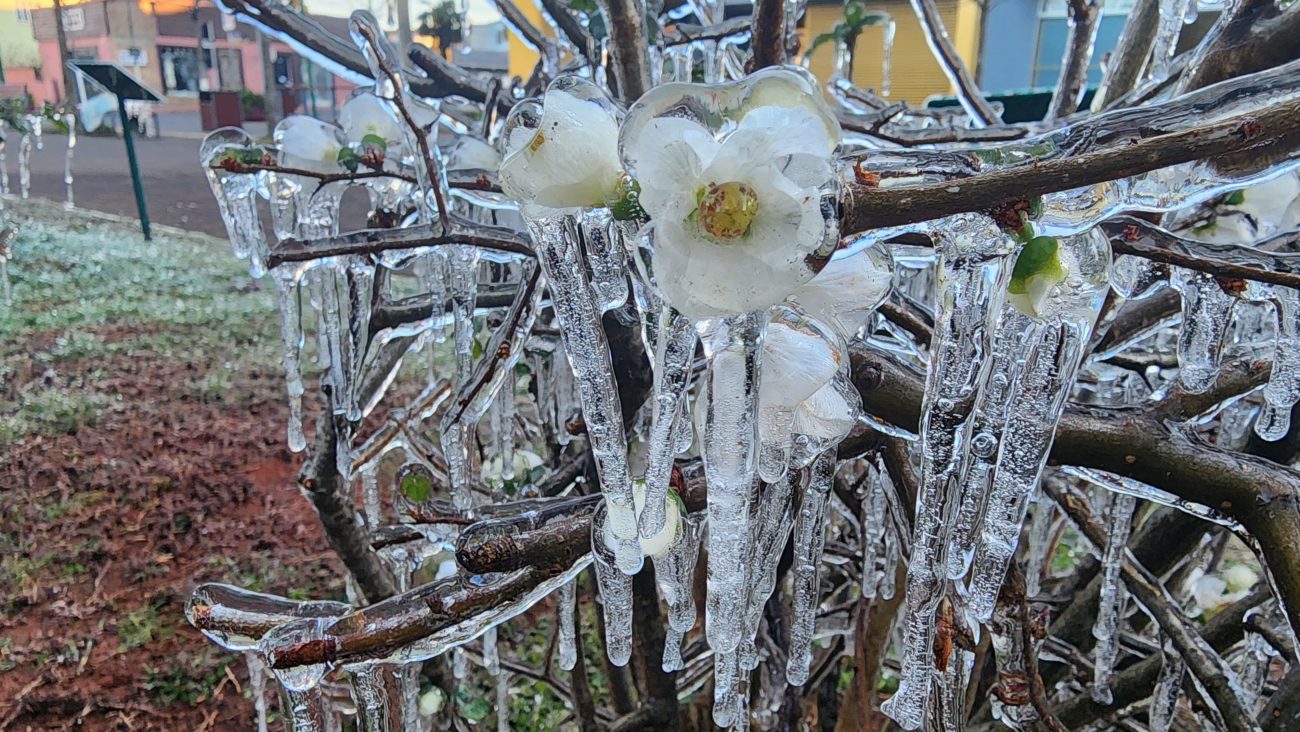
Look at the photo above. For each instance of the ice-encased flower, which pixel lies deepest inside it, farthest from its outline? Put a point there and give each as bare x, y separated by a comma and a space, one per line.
471, 153
366, 114
845, 293
740, 196
798, 393
562, 153
1256, 212
308, 142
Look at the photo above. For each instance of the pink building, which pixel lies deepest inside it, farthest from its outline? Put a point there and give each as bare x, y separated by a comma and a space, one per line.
181, 54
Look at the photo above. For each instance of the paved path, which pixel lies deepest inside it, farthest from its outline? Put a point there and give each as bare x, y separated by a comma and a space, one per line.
175, 188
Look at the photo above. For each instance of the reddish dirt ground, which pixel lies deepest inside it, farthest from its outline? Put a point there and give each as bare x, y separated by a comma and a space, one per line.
113, 525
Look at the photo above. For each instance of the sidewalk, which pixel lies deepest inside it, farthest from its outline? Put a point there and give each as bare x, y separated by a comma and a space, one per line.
187, 125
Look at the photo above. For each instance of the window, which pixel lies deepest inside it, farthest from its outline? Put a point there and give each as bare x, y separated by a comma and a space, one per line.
74, 19
1052, 34
23, 15
180, 68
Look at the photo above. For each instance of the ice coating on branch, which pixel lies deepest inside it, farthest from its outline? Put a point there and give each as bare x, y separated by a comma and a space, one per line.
672, 350
675, 572
69, 121
1119, 520
809, 539
760, 150
309, 710
377, 692
236, 192
257, 686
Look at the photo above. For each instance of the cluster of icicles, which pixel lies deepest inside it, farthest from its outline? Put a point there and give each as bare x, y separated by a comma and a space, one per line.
998, 376
31, 138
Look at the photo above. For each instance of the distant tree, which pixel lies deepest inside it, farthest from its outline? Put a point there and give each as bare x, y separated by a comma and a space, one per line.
443, 22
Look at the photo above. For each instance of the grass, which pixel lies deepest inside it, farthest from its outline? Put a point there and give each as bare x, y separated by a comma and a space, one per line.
85, 290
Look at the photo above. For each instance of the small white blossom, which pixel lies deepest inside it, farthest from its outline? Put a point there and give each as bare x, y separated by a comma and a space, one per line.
845, 293
739, 212
471, 153
565, 156
308, 142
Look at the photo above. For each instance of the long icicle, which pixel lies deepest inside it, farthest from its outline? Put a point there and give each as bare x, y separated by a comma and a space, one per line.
809, 540
1119, 519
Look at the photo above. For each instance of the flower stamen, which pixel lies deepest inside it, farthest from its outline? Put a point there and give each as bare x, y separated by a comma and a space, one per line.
726, 210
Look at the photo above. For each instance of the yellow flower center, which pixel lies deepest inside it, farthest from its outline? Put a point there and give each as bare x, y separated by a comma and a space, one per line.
726, 210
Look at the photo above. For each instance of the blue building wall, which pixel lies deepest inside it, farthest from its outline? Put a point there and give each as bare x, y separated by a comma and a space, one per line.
1007, 51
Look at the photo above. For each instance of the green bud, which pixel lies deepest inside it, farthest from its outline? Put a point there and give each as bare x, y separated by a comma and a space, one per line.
627, 206
1236, 198
349, 159
1038, 269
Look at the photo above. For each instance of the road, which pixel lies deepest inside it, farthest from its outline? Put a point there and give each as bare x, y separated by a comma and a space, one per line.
175, 188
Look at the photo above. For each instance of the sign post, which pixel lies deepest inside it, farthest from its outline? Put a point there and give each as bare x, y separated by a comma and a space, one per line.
119, 82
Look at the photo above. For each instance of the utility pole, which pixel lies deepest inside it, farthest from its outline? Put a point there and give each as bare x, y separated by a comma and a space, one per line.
403, 26
62, 35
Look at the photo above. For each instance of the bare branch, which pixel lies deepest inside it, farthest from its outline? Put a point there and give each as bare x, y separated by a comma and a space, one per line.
1085, 19
1250, 36
1207, 666
628, 47
1130, 55
767, 34
1132, 235
968, 92
374, 241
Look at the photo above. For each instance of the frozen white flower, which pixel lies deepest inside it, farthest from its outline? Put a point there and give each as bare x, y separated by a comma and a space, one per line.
661, 542
565, 157
523, 462
366, 114
1256, 212
471, 153
845, 293
1212, 592
308, 142
798, 393
735, 219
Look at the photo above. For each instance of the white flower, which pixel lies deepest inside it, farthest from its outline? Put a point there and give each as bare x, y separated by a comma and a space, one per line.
1260, 211
660, 543
798, 391
524, 461
366, 114
471, 153
845, 293
566, 157
830, 413
1212, 592
738, 217
308, 142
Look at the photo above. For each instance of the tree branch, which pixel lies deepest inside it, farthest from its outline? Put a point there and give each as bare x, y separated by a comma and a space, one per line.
374, 241
1141, 238
876, 207
628, 47
767, 34
1207, 666
1085, 18
968, 92
1130, 55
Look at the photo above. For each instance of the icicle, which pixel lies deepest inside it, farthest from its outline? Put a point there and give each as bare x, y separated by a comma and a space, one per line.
370, 495
673, 350
965, 292
1119, 519
378, 693
603, 243
291, 340
1040, 534
774, 515
459, 664
506, 436
567, 650
588, 354
886, 56
673, 650
1207, 309
809, 539
503, 702
4, 168
1055, 350
236, 196
729, 436
24, 165
675, 573
986, 433
360, 281
462, 290
71, 121
875, 523
1255, 659
726, 671
5, 292
257, 686
615, 590
308, 710
1283, 388
491, 659
1169, 686
1172, 14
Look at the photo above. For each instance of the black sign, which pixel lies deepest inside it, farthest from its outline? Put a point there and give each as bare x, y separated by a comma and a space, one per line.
115, 79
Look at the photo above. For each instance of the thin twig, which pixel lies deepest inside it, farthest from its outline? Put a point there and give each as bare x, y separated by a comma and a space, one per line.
375, 241
1141, 238
968, 92
1085, 19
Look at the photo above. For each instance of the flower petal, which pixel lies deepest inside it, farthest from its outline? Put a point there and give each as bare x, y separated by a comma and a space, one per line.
795, 364
847, 290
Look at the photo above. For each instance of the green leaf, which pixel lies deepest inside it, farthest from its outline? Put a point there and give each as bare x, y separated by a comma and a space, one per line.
536, 474
474, 709
1038, 258
373, 139
583, 6
1236, 198
824, 38
477, 351
628, 205
349, 159
417, 487
521, 369
250, 155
